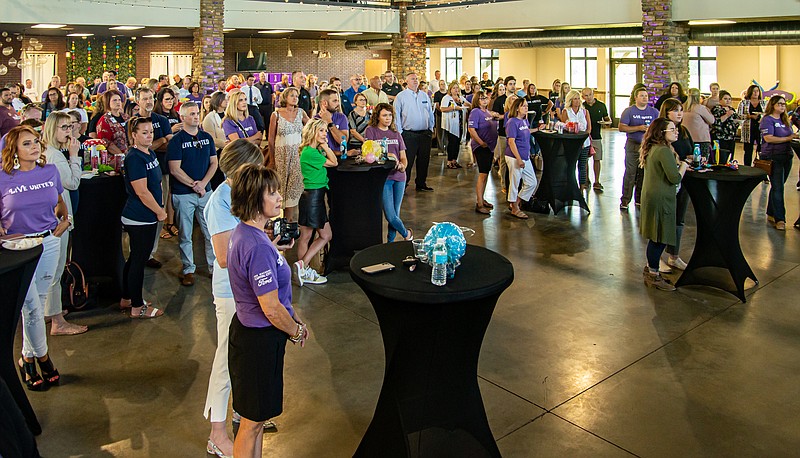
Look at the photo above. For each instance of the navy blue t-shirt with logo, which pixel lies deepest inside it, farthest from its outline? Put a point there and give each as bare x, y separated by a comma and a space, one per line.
194, 152
139, 165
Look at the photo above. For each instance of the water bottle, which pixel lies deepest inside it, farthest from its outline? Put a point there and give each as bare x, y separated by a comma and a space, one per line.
439, 273
696, 155
343, 147
384, 149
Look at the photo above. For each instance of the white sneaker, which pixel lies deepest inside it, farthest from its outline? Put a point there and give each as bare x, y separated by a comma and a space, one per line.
663, 267
299, 270
312, 277
676, 263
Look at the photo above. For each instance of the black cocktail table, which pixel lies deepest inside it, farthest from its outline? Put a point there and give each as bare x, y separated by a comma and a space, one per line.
718, 198
356, 209
430, 403
16, 272
558, 185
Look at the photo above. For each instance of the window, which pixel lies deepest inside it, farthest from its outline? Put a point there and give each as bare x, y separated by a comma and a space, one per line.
583, 67
702, 67
490, 63
452, 64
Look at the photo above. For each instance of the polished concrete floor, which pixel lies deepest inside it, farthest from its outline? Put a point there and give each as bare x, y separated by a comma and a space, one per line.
580, 359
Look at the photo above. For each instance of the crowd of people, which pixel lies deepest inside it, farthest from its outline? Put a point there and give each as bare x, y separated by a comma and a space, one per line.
235, 158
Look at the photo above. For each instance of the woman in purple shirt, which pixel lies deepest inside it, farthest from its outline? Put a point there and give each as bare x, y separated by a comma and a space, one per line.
260, 279
518, 157
482, 128
237, 122
777, 133
31, 204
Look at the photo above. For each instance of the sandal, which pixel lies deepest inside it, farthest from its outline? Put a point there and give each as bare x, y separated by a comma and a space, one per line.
165, 233
27, 371
172, 229
49, 373
450, 165
481, 209
519, 214
488, 205
147, 312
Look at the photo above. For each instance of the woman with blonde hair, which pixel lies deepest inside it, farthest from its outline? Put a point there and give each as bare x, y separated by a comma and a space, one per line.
453, 109
61, 150
237, 122
285, 137
697, 119
663, 170
575, 112
28, 208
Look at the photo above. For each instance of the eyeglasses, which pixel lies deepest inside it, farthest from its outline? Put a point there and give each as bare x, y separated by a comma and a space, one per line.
483, 97
781, 103
671, 129
65, 127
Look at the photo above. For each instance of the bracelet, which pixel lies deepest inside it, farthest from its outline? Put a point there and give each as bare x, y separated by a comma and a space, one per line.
300, 332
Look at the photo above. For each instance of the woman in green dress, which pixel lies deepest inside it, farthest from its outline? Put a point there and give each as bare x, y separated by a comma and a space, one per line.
663, 171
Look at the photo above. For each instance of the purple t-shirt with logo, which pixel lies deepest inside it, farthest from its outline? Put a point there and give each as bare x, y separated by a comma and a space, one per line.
340, 120
518, 131
485, 125
776, 127
632, 116
394, 143
247, 129
255, 268
28, 200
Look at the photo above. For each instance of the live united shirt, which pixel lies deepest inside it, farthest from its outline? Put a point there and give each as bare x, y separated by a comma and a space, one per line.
394, 144
777, 128
518, 130
244, 128
140, 165
633, 116
194, 153
485, 125
28, 199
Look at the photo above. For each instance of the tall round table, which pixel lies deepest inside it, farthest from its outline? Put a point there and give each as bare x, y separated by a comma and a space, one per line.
356, 209
558, 185
718, 198
16, 273
97, 237
430, 403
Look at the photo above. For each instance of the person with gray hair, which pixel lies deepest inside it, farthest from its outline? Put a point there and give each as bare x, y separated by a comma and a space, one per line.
221, 224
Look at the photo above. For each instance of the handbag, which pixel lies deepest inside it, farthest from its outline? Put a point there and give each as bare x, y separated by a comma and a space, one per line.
465, 155
763, 164
74, 289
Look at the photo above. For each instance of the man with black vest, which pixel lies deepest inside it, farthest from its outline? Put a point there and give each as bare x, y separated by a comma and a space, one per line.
265, 107
192, 162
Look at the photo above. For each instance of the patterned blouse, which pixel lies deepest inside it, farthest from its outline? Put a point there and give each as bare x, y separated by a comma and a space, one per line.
112, 129
724, 130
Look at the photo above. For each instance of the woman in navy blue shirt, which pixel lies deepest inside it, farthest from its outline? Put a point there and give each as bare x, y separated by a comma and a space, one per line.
141, 214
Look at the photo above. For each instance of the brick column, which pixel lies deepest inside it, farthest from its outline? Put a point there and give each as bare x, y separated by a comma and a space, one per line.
665, 47
208, 60
408, 49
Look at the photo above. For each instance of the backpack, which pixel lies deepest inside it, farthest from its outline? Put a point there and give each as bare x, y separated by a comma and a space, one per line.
74, 288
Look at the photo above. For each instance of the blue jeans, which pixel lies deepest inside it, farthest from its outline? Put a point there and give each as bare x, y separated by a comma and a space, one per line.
187, 208
781, 166
34, 332
392, 198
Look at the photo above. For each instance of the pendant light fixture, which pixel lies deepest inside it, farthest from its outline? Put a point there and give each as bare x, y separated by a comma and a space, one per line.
289, 47
250, 52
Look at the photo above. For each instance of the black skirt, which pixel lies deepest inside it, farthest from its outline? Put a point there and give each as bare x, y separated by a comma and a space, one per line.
312, 208
255, 363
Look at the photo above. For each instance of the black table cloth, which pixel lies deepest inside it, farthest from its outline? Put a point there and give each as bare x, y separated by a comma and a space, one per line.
16, 273
430, 403
558, 185
97, 237
718, 198
356, 209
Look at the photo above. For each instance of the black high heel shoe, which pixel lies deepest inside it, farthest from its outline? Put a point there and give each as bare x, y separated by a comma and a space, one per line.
33, 381
49, 373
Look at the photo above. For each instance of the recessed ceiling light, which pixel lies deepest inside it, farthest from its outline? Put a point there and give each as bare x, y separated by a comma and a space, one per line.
711, 22
126, 27
155, 36
275, 31
344, 34
80, 34
228, 30
48, 26
523, 30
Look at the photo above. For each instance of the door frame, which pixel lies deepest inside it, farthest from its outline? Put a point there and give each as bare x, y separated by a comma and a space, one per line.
612, 62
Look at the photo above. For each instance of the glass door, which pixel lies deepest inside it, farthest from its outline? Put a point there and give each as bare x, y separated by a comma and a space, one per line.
626, 71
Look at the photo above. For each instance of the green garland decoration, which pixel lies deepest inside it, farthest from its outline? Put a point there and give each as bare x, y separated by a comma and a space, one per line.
90, 57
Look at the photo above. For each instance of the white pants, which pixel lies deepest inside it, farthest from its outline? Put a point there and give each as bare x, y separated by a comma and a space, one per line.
53, 304
34, 332
219, 383
515, 174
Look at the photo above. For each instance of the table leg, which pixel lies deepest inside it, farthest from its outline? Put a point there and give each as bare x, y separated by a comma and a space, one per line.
430, 403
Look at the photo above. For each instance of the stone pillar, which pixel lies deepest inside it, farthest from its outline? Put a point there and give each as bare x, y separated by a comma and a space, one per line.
209, 45
665, 47
408, 49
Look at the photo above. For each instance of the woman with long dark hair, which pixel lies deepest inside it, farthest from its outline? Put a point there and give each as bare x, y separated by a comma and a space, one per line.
54, 102
663, 170
673, 91
777, 133
750, 110
165, 106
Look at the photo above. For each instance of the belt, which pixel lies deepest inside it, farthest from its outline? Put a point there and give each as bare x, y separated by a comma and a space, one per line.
419, 132
40, 234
